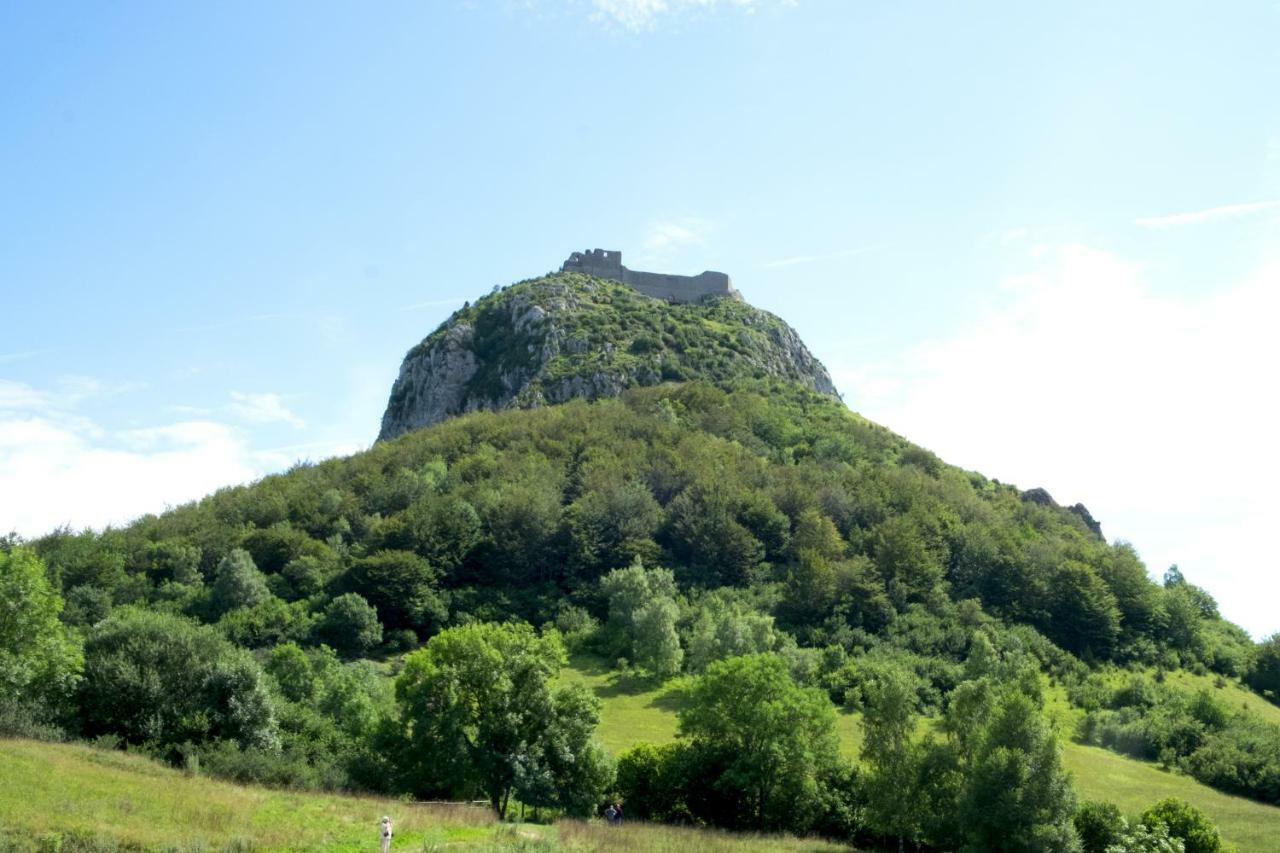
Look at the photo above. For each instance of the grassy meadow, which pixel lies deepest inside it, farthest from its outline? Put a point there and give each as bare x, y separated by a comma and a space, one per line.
118, 801
67, 797
634, 713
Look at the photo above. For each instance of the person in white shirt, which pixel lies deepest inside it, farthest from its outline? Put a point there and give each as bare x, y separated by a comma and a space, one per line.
384, 830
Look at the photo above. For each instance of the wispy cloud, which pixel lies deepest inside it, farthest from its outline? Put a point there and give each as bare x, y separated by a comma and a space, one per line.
263, 409
672, 234
796, 260
234, 322
1195, 217
20, 397
8, 357
70, 392
433, 303
642, 15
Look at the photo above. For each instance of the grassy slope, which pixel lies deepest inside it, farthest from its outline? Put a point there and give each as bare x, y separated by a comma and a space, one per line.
48, 789
66, 788
635, 713
59, 788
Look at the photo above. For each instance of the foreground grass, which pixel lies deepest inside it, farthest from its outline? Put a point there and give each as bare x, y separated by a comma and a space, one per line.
49, 790
632, 713
60, 788
73, 797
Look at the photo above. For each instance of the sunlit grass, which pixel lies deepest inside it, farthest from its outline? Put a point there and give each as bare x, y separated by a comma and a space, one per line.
58, 790
647, 713
48, 788
1134, 785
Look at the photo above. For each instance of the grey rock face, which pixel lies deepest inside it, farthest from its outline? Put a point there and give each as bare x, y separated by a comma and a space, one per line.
1039, 496
433, 385
563, 338
1088, 519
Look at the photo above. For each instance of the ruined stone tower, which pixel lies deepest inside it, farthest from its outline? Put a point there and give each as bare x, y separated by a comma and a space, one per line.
673, 288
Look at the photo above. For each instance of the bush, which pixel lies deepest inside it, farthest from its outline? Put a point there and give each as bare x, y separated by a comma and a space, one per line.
160, 679
1184, 821
1099, 826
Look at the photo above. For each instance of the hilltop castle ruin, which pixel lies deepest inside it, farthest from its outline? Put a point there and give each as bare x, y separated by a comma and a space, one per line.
673, 288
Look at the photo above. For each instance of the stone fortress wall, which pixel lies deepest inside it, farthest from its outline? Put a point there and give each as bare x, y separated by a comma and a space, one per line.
673, 288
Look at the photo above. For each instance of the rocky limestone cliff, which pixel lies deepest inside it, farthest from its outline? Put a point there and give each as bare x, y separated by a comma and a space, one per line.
570, 335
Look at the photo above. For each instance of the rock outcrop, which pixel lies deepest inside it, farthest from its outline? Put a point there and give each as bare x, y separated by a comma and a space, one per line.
1042, 498
568, 336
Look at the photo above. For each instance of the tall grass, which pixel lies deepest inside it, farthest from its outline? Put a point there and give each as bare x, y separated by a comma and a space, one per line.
70, 798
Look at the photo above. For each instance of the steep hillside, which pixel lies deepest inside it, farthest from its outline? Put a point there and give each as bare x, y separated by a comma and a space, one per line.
741, 520
569, 336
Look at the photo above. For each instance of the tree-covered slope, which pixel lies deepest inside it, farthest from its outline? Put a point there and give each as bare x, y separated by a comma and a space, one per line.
567, 336
841, 525
740, 526
677, 528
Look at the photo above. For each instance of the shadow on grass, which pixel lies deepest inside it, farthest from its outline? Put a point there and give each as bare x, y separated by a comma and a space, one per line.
609, 683
591, 665
676, 698
626, 685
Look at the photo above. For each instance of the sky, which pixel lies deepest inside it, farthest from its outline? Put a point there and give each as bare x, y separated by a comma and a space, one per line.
1041, 239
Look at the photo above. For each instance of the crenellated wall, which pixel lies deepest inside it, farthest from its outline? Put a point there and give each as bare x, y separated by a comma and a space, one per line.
673, 288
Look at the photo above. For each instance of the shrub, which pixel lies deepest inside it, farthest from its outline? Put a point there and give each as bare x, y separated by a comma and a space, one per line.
151, 677
1099, 826
1184, 821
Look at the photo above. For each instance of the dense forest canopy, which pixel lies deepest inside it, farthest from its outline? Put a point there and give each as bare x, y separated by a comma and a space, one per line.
844, 527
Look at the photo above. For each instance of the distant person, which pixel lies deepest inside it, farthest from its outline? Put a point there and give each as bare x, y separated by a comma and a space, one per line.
617, 813
384, 833
610, 815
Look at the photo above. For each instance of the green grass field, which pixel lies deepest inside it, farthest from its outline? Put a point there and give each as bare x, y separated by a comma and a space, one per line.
70, 791
635, 713
76, 798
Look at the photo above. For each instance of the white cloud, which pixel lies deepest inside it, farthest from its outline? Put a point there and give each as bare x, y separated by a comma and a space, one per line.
676, 233
16, 396
1155, 411
1230, 211
8, 357
640, 15
433, 303
263, 409
61, 468
796, 260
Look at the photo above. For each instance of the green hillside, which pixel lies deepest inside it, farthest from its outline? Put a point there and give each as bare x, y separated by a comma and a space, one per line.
396, 621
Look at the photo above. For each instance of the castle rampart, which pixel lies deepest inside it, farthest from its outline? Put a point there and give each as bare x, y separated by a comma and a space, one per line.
673, 288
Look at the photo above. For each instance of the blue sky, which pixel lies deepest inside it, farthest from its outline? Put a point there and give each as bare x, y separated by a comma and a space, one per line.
1041, 239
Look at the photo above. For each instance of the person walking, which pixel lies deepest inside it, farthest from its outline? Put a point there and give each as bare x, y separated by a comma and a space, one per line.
610, 815
384, 833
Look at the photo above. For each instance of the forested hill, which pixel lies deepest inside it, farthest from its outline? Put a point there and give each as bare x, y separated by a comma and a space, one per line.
571, 336
739, 526
836, 527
